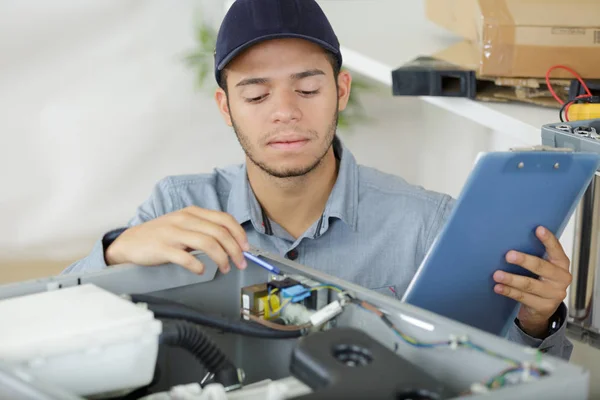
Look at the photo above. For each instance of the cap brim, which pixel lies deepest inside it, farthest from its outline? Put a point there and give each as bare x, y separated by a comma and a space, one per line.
243, 47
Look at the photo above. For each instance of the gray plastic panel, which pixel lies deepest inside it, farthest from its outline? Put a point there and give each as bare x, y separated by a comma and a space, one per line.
553, 136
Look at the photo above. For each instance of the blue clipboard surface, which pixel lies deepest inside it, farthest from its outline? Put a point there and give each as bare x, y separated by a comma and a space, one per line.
506, 197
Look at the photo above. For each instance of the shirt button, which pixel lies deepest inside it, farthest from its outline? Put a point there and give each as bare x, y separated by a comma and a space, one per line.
292, 254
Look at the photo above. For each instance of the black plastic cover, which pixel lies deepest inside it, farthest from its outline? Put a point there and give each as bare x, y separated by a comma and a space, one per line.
427, 76
345, 363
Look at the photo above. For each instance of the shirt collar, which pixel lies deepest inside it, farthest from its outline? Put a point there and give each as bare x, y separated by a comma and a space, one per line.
343, 200
342, 203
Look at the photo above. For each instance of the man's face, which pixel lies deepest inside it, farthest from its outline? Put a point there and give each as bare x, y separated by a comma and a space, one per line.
282, 101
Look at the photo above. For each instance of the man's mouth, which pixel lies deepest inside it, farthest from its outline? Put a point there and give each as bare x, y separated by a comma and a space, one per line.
288, 143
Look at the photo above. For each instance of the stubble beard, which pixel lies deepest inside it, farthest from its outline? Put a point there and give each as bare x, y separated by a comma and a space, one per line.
290, 172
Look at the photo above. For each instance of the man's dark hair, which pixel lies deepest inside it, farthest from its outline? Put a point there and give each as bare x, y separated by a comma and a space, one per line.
333, 60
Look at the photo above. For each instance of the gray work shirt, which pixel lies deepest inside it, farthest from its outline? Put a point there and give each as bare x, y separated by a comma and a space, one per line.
375, 230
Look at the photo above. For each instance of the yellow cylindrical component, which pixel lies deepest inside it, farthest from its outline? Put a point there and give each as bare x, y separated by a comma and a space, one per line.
578, 112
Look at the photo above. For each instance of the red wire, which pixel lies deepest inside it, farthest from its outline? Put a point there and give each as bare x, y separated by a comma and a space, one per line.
575, 74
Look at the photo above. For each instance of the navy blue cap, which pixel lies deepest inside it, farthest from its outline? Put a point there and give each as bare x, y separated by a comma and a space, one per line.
249, 22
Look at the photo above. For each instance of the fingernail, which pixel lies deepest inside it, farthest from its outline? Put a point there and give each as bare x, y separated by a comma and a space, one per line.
512, 256
226, 269
243, 264
498, 288
500, 275
246, 246
542, 231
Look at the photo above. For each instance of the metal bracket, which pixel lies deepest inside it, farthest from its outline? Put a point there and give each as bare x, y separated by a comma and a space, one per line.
581, 334
543, 148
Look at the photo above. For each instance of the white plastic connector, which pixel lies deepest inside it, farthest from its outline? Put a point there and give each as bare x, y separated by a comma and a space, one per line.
478, 388
526, 374
296, 314
531, 350
188, 391
453, 342
246, 305
326, 313
344, 298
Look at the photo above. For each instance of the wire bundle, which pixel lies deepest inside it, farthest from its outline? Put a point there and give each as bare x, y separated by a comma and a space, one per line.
494, 382
167, 309
278, 310
566, 104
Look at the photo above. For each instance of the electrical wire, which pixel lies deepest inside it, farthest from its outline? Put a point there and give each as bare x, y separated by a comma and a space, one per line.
565, 107
279, 309
406, 338
500, 379
190, 337
566, 104
515, 365
574, 73
164, 308
273, 325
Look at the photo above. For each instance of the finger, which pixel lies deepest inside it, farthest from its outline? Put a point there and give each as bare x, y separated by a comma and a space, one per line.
529, 285
225, 220
555, 251
219, 233
208, 245
540, 267
185, 259
537, 303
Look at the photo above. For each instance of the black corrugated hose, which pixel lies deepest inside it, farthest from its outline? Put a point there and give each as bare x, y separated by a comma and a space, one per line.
164, 308
190, 337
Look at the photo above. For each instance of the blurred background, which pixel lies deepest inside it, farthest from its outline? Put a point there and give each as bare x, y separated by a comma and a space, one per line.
98, 101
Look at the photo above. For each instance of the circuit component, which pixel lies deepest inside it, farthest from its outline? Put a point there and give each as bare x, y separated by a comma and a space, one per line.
317, 298
253, 299
282, 284
295, 293
268, 302
268, 306
261, 301
296, 314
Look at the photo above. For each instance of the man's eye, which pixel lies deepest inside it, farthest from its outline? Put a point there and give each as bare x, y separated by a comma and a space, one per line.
308, 92
256, 99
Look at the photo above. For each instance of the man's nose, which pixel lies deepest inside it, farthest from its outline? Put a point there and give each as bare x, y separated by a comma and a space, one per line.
286, 108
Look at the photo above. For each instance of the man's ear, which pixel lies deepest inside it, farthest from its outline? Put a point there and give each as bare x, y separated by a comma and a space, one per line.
344, 88
221, 98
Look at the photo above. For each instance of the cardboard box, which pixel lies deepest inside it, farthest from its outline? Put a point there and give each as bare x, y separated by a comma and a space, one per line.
524, 38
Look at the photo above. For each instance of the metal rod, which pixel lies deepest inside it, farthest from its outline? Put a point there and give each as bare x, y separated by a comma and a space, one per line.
585, 251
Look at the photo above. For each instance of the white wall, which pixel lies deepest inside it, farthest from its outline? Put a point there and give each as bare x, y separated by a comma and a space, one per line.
96, 105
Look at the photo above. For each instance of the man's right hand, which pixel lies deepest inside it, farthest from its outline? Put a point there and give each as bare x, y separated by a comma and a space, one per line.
171, 237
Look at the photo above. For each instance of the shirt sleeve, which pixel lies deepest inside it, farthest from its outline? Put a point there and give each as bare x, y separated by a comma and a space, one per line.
438, 220
160, 202
556, 344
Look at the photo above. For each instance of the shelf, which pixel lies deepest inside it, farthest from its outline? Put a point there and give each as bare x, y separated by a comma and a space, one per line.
394, 32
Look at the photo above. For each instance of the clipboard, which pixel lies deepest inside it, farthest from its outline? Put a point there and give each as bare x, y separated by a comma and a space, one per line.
506, 197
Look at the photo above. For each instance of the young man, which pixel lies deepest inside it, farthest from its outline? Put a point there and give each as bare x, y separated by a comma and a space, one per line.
300, 192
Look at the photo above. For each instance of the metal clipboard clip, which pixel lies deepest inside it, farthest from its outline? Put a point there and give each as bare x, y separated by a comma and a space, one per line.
542, 148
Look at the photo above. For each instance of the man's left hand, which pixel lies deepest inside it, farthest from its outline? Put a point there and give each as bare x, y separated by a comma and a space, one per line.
539, 298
